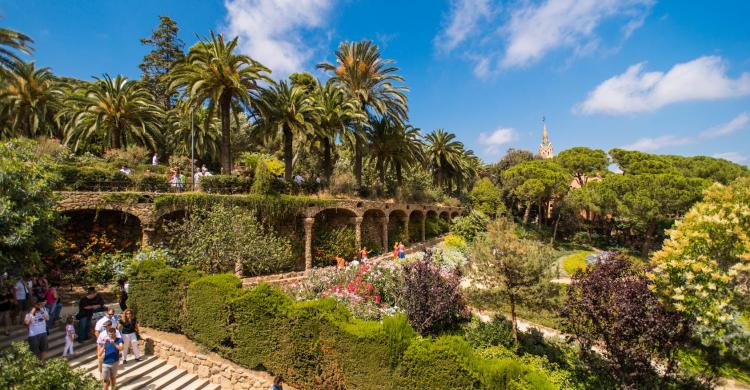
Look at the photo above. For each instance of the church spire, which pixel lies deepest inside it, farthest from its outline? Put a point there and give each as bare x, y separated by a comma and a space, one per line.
545, 148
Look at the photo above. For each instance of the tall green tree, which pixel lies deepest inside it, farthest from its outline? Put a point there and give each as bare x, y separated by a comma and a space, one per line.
27, 211
583, 163
215, 74
10, 42
537, 181
29, 99
167, 50
371, 80
181, 128
518, 269
119, 110
648, 202
287, 111
394, 146
338, 113
443, 154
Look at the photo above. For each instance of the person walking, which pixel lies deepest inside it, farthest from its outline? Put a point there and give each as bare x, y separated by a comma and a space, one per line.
123, 294
102, 338
6, 306
21, 292
363, 254
395, 251
401, 250
197, 179
36, 321
51, 300
130, 331
109, 316
278, 383
70, 335
86, 306
109, 355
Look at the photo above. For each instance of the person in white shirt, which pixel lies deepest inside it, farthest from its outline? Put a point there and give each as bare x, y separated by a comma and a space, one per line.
21, 293
299, 179
70, 335
205, 171
197, 178
125, 170
109, 316
155, 160
36, 321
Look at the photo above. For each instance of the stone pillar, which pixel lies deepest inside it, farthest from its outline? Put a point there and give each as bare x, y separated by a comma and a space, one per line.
308, 242
406, 228
386, 249
424, 219
148, 236
358, 231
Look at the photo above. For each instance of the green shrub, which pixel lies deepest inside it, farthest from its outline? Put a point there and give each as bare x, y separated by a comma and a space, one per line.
334, 242
499, 331
21, 371
92, 179
398, 336
262, 182
441, 363
154, 183
469, 226
226, 184
157, 294
206, 307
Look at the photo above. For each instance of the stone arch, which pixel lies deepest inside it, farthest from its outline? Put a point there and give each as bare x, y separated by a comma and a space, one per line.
454, 214
374, 236
327, 221
398, 222
432, 227
444, 221
416, 226
123, 230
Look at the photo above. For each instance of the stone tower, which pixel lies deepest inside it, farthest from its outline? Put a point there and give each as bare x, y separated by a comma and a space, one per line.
545, 148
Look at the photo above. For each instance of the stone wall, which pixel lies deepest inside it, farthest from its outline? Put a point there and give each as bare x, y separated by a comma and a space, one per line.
181, 352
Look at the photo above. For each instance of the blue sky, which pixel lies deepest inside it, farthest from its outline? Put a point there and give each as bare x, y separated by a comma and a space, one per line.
658, 76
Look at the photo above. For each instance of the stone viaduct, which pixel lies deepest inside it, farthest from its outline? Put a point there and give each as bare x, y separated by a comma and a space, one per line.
374, 220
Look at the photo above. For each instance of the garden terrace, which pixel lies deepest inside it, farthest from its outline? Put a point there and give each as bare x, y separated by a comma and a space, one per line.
374, 222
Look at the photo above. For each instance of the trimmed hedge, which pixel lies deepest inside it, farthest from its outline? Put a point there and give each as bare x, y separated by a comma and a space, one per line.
92, 179
313, 344
154, 183
206, 307
157, 295
226, 184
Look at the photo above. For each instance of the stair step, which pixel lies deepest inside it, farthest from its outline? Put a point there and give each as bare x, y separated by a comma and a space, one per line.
170, 377
143, 381
181, 382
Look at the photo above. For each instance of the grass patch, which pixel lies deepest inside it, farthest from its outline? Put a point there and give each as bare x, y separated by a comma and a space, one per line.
696, 361
574, 262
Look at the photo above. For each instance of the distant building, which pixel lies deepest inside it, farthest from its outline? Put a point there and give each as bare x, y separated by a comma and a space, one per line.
545, 148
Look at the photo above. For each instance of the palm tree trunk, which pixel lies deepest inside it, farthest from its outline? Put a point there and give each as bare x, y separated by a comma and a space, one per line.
115, 138
226, 142
358, 161
327, 163
288, 154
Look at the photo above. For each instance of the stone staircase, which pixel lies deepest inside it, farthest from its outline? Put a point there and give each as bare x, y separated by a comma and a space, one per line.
151, 373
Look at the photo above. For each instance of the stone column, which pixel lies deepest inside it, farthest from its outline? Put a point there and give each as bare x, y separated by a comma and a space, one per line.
308, 242
386, 249
424, 219
358, 231
406, 227
148, 236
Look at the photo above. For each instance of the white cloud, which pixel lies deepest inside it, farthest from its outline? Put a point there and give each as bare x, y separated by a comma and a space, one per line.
270, 30
492, 142
535, 30
733, 157
654, 144
739, 122
463, 21
703, 78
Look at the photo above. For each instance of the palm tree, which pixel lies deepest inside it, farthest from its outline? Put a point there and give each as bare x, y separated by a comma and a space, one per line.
118, 109
369, 79
285, 110
468, 169
213, 73
29, 99
395, 146
180, 127
12, 40
444, 155
337, 113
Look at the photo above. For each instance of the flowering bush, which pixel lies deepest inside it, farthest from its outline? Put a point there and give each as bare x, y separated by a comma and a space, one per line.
447, 257
432, 297
332, 243
368, 290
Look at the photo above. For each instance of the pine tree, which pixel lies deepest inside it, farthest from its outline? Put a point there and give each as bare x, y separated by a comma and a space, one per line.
156, 64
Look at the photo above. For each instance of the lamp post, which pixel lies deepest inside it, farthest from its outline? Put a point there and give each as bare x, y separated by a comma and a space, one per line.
192, 147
